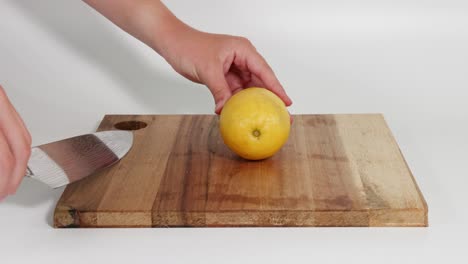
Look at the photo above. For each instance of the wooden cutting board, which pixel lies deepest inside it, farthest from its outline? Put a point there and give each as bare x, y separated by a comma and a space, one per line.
335, 170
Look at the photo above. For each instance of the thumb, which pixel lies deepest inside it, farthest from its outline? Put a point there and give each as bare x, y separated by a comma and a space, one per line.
219, 88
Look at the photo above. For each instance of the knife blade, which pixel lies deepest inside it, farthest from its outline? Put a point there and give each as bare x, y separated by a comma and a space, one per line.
62, 162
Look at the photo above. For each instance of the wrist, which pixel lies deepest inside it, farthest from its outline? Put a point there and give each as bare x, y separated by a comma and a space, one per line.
168, 36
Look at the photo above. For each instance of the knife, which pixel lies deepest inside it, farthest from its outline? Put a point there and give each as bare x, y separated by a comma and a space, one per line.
62, 162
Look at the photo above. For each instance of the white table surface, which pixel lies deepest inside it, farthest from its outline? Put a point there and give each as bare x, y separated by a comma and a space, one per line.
64, 66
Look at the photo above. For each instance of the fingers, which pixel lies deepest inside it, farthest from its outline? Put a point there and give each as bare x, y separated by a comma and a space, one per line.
256, 82
17, 142
11, 109
258, 66
235, 82
248, 59
6, 166
22, 153
26, 133
244, 75
216, 82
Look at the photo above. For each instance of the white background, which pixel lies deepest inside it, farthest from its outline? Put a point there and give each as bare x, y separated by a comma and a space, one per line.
64, 66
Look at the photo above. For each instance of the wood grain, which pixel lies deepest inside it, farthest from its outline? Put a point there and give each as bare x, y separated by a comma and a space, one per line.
335, 170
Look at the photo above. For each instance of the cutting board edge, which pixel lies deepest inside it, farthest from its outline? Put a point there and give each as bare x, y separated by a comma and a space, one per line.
66, 217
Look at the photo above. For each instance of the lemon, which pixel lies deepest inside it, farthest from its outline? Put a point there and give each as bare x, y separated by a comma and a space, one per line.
254, 123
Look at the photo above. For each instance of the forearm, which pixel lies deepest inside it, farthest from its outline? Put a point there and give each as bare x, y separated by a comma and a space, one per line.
150, 21
224, 63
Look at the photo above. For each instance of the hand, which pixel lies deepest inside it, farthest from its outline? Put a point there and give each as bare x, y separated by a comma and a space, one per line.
15, 147
225, 64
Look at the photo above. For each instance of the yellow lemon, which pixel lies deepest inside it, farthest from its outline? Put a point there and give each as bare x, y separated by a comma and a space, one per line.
254, 123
